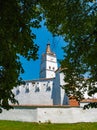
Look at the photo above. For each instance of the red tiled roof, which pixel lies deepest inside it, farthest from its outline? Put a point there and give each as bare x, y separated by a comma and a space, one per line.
73, 102
89, 100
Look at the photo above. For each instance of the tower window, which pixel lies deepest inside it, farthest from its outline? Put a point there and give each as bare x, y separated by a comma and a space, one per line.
53, 68
49, 67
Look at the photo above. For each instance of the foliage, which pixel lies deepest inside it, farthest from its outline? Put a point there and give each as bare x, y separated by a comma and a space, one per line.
14, 125
16, 38
76, 21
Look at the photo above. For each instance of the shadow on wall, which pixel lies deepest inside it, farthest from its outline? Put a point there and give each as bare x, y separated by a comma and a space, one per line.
65, 100
56, 92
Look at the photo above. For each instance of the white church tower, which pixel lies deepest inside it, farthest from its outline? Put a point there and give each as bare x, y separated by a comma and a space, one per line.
48, 64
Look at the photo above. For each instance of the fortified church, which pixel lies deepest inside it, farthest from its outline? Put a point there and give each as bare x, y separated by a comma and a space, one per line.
44, 100
46, 90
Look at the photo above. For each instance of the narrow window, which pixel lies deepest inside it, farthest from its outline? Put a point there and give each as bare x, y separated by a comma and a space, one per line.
53, 68
27, 90
49, 67
17, 91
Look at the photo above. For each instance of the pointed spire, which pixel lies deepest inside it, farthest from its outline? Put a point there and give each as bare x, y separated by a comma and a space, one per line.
48, 50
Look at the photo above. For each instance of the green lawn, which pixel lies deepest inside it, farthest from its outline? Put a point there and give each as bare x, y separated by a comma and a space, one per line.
13, 125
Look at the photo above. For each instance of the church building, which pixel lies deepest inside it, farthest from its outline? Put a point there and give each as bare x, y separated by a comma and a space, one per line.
44, 100
47, 89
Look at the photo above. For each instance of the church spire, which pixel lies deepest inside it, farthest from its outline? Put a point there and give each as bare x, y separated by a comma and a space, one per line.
48, 50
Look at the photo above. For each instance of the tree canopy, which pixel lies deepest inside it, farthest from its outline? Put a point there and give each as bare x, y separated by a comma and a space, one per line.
17, 18
76, 21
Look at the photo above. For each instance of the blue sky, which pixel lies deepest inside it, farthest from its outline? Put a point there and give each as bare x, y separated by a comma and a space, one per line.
43, 36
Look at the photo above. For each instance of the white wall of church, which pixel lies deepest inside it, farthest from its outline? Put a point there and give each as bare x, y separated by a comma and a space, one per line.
60, 97
50, 57
51, 62
35, 93
50, 69
42, 92
48, 65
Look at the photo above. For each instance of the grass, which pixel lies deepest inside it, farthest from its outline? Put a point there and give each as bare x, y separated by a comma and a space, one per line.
14, 125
